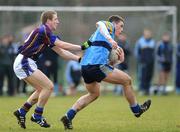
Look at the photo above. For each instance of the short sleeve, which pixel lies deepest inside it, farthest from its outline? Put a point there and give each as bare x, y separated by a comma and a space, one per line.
50, 37
53, 39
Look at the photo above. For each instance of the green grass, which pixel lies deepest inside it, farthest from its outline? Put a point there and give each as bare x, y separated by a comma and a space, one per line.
107, 114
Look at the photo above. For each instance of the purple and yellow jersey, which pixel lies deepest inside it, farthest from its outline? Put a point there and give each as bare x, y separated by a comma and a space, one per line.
37, 41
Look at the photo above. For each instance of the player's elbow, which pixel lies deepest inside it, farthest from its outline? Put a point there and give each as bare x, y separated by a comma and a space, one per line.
98, 23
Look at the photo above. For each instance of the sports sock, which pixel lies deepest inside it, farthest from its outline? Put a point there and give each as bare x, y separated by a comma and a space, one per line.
38, 112
135, 108
71, 114
25, 108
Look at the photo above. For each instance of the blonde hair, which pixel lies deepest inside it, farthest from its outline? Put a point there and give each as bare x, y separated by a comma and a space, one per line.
47, 15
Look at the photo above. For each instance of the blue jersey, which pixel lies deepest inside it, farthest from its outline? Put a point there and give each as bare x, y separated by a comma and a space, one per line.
144, 50
165, 52
37, 41
99, 51
73, 69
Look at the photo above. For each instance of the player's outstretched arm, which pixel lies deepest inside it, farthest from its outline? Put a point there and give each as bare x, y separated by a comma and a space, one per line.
67, 46
65, 54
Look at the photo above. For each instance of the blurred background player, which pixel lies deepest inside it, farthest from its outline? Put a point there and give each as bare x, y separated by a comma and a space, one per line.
124, 66
145, 54
177, 85
73, 76
6, 64
165, 59
95, 69
25, 66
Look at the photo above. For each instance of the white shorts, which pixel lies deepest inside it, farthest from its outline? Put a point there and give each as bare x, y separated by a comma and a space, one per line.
23, 66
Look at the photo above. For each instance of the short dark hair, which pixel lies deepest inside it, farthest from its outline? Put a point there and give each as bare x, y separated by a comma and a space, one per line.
47, 15
115, 18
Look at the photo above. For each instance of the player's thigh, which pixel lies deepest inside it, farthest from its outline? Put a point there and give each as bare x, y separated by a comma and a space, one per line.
39, 80
93, 88
117, 77
37, 88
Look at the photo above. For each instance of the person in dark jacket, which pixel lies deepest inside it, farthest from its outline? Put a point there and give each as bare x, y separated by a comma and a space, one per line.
73, 76
6, 65
165, 59
144, 52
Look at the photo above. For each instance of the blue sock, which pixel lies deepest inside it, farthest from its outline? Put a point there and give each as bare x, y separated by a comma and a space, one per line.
135, 108
71, 113
38, 112
25, 108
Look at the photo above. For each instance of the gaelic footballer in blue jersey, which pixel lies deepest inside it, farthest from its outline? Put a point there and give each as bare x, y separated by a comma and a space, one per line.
95, 68
25, 66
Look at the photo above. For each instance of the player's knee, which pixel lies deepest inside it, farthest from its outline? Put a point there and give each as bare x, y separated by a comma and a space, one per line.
95, 95
51, 87
128, 81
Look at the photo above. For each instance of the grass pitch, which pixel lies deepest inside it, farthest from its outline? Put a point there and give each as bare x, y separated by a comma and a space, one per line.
109, 113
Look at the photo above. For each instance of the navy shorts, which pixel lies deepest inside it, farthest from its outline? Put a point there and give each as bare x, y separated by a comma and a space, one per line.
165, 67
95, 73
